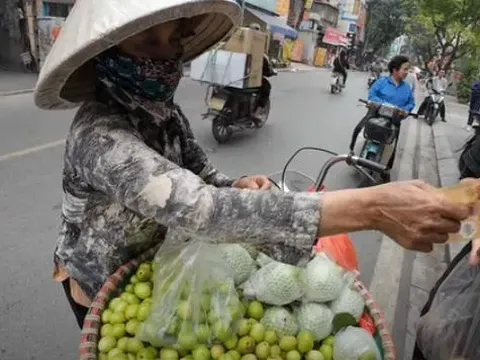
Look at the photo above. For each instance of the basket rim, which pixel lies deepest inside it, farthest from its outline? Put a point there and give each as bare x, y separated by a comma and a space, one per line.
89, 335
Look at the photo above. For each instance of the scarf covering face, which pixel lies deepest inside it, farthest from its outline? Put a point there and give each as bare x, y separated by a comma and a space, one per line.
143, 85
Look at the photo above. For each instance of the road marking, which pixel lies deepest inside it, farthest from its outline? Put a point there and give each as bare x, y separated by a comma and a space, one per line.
388, 269
31, 150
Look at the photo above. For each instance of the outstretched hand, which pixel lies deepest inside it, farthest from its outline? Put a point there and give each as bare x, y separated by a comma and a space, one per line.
417, 215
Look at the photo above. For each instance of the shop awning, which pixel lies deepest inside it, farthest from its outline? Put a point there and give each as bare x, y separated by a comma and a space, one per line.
274, 23
334, 37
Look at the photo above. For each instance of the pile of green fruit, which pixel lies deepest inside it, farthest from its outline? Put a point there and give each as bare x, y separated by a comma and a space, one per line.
251, 340
180, 314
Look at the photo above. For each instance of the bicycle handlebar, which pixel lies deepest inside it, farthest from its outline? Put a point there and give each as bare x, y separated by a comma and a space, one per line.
351, 160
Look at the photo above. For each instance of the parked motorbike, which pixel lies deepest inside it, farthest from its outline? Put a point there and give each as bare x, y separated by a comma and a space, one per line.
380, 133
336, 83
233, 109
435, 100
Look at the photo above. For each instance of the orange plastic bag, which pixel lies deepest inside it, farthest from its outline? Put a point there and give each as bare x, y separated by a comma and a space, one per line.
366, 322
339, 248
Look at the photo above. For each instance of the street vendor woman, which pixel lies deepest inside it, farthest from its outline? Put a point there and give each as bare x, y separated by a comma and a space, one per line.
133, 168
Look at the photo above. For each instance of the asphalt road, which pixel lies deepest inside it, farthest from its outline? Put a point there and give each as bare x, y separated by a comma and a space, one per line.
36, 322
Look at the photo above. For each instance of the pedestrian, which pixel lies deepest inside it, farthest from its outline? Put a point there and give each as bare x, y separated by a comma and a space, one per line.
133, 169
474, 108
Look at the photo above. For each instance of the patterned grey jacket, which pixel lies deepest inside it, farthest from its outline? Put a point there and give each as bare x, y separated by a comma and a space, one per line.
126, 180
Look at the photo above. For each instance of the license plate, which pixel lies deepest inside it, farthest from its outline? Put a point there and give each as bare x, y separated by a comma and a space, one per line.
216, 104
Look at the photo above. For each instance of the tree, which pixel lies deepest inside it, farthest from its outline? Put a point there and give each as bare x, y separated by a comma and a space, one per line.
451, 26
385, 22
470, 68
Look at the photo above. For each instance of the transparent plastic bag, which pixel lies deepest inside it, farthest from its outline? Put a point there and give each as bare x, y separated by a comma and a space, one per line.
451, 327
194, 300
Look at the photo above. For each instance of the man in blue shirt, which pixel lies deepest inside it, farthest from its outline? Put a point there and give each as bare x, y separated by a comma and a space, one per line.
393, 90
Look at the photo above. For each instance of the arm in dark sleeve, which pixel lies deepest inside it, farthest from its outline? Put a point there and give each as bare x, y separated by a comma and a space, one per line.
113, 160
196, 160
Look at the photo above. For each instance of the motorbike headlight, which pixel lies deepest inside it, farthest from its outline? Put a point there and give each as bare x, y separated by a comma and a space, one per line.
387, 111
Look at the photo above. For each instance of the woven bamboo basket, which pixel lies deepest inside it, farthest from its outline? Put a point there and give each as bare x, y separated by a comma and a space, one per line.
90, 334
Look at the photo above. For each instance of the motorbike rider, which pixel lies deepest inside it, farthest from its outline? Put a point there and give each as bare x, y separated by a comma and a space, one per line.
439, 84
340, 65
133, 170
266, 87
393, 90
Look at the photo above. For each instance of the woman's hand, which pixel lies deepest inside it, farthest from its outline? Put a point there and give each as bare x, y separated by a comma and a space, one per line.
253, 182
417, 215
413, 213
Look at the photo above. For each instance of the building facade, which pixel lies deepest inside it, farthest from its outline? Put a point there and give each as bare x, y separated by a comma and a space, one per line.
352, 22
327, 11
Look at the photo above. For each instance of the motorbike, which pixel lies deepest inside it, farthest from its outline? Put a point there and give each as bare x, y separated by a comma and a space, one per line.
336, 83
435, 100
380, 133
233, 109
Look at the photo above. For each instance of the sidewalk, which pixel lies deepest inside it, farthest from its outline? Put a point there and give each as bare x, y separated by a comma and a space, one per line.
12, 82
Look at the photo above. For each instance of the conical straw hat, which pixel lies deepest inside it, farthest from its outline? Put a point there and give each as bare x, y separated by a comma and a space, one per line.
67, 78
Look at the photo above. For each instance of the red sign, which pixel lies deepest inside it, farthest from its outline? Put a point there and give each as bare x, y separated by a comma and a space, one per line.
334, 37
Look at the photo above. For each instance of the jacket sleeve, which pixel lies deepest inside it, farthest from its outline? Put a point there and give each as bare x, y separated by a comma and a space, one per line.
196, 160
113, 160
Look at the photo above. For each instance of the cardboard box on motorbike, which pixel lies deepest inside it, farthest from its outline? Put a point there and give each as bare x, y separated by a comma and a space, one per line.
237, 62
